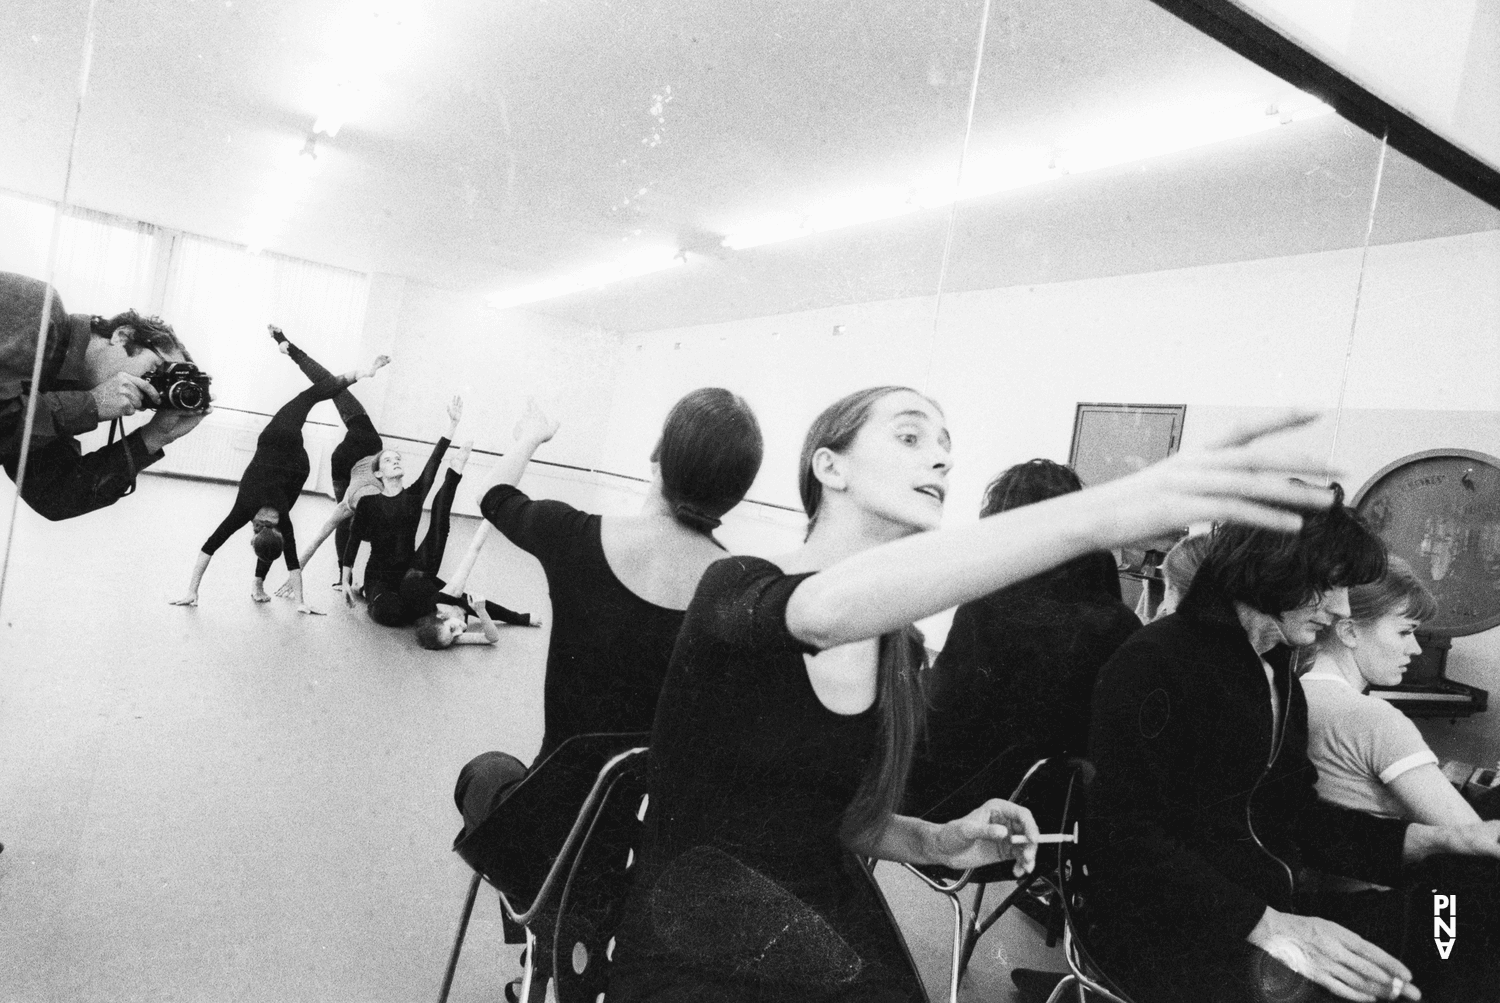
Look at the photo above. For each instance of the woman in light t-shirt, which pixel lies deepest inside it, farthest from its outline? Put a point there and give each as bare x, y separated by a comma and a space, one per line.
1370, 756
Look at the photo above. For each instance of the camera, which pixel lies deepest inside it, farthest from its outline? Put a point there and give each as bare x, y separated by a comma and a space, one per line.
182, 386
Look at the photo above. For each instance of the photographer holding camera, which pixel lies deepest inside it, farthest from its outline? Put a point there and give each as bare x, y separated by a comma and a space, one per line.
93, 370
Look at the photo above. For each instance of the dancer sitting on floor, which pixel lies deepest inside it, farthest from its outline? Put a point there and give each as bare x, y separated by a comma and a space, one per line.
271, 484
401, 582
448, 624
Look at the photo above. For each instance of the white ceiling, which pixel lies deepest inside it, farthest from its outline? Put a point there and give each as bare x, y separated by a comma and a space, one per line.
502, 142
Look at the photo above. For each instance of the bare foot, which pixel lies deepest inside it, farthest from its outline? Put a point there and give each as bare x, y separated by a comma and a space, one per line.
259, 594
462, 459
380, 362
189, 600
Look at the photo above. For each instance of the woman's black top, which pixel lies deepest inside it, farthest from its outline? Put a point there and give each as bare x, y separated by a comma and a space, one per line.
745, 891
1205, 808
390, 523
1013, 684
609, 648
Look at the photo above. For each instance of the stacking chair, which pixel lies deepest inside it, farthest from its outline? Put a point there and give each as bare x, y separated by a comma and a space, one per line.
1068, 878
1043, 789
526, 848
600, 873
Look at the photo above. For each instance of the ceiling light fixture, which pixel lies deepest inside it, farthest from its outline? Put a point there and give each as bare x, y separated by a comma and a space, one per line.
643, 261
365, 42
1130, 141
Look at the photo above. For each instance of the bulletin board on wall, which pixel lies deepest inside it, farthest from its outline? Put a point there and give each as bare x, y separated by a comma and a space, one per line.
1112, 440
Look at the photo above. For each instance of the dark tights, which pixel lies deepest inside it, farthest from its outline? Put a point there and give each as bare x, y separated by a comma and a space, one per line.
360, 438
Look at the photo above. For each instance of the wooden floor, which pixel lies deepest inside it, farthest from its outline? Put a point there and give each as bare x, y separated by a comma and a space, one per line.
237, 802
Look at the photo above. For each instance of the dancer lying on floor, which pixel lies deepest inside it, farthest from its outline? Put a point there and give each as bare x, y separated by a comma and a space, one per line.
401, 582
270, 486
448, 624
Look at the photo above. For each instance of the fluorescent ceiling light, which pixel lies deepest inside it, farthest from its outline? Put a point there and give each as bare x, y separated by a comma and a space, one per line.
640, 262
1131, 141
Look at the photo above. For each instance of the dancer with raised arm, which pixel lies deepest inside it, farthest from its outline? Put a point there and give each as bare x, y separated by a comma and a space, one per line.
786, 725
270, 486
401, 583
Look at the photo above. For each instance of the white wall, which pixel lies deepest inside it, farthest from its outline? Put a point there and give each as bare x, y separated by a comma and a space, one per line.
1230, 341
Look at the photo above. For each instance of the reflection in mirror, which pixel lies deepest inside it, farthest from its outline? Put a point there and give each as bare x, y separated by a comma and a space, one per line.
1419, 437
578, 215
43, 83
222, 780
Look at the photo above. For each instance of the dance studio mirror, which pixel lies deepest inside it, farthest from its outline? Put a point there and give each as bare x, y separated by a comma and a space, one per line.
1019, 209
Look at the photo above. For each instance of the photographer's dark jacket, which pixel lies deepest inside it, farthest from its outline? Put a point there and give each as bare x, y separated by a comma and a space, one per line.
1202, 814
60, 482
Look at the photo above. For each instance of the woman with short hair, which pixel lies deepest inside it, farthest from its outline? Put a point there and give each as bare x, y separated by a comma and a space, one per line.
1370, 756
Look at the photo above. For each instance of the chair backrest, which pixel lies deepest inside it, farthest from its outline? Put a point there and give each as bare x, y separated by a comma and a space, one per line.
599, 880
1045, 789
519, 847
1071, 878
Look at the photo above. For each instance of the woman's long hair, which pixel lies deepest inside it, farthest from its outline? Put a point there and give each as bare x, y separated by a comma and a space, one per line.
709, 453
903, 654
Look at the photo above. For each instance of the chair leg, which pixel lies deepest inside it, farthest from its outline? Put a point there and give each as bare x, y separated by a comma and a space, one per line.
458, 941
537, 973
958, 946
1067, 981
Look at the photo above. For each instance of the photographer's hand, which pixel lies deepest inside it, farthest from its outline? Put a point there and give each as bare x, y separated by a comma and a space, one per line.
168, 425
121, 395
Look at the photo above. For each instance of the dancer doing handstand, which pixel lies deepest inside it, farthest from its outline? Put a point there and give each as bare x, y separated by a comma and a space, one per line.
270, 485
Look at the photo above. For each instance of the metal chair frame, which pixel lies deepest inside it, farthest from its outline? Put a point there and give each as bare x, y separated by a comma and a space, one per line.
1084, 976
556, 876
967, 926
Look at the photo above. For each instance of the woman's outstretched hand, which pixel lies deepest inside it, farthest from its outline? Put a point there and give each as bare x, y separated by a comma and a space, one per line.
984, 836
534, 426
1244, 478
455, 409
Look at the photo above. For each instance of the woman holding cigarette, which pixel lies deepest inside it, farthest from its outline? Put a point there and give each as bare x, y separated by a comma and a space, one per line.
787, 722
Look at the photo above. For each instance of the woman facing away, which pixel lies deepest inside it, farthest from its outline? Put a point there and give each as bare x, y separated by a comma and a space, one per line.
787, 721
619, 584
1015, 676
1370, 756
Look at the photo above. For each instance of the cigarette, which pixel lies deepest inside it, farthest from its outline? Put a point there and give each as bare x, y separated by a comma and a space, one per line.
1046, 837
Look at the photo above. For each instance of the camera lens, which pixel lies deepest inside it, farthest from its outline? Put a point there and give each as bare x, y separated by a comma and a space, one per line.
186, 396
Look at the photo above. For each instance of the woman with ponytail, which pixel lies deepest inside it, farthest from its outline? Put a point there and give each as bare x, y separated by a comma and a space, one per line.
619, 584
786, 725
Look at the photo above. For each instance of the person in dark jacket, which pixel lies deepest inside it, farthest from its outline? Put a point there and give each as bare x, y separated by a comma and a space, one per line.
1204, 810
1014, 680
93, 370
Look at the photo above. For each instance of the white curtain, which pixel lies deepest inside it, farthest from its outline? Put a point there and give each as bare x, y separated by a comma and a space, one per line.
104, 265
220, 299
